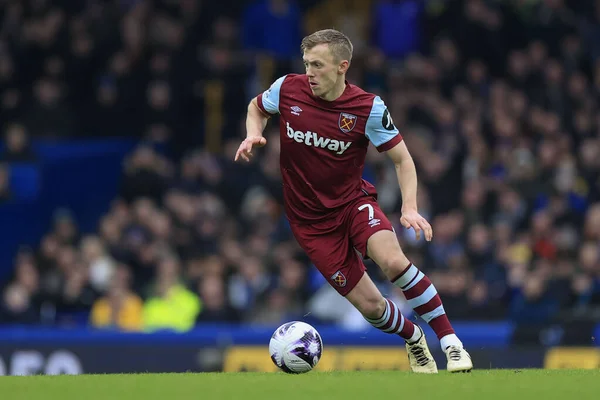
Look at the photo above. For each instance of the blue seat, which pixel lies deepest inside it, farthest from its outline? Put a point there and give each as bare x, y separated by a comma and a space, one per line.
25, 181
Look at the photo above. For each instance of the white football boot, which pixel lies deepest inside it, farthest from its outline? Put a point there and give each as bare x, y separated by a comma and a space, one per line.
420, 358
458, 359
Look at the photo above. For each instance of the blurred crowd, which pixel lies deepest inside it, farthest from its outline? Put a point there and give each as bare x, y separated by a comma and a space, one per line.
497, 100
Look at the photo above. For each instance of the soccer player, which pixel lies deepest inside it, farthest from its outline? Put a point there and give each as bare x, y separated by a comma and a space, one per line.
326, 125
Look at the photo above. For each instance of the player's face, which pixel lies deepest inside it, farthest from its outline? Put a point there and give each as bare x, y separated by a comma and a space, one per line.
324, 72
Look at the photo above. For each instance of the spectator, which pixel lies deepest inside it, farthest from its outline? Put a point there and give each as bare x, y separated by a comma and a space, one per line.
100, 265
49, 115
120, 308
146, 175
18, 148
170, 305
16, 306
215, 306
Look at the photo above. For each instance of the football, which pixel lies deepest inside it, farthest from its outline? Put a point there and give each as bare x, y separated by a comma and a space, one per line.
296, 347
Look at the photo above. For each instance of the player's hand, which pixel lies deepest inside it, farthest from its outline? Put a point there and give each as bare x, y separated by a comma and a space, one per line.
245, 149
412, 219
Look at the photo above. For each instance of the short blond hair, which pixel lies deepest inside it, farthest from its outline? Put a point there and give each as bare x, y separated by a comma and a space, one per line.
339, 44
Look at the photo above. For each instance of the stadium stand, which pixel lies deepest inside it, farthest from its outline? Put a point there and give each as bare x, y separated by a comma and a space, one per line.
497, 100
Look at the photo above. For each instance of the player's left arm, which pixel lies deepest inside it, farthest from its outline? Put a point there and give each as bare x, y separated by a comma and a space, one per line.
407, 179
385, 136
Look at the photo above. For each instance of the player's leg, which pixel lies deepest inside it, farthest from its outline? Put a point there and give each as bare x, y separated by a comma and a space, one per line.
380, 312
421, 294
373, 235
385, 315
335, 258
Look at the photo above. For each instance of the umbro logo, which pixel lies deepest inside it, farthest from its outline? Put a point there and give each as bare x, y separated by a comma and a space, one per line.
296, 110
374, 222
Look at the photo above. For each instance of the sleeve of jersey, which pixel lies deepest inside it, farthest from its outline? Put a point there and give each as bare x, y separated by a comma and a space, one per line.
268, 101
380, 129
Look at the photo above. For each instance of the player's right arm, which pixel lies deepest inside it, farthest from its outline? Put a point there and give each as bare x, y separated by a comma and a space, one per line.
260, 110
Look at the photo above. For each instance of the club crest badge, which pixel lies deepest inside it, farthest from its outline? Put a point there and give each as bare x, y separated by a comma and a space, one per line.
347, 122
339, 279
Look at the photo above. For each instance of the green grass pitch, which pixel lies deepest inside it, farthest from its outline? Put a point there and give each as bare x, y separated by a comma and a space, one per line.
483, 384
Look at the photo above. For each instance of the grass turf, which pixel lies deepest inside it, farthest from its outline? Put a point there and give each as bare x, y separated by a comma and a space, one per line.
482, 384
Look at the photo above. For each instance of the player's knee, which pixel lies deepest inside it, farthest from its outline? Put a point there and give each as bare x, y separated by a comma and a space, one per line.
372, 307
394, 264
